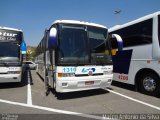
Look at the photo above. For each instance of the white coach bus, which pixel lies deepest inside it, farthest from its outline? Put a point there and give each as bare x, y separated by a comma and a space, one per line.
139, 62
12, 46
75, 56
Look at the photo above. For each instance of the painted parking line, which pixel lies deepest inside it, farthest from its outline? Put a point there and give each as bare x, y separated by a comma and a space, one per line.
53, 110
133, 99
29, 94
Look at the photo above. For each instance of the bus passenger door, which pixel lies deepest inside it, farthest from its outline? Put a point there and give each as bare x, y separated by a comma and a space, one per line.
51, 68
51, 46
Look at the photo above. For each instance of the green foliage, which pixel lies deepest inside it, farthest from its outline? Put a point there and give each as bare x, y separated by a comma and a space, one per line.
31, 54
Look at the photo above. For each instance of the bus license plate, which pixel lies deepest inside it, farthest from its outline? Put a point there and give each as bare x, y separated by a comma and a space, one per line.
89, 82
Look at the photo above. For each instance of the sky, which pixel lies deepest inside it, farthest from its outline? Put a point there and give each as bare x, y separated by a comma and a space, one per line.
34, 16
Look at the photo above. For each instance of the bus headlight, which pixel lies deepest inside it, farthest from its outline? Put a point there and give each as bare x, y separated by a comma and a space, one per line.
107, 72
14, 72
66, 74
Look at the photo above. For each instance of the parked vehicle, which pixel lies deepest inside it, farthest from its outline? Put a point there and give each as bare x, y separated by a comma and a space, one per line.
29, 65
138, 63
75, 56
12, 48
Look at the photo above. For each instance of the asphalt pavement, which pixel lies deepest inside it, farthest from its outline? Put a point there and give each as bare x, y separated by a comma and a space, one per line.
29, 101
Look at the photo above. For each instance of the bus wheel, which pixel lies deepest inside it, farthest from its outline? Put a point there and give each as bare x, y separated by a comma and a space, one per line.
150, 84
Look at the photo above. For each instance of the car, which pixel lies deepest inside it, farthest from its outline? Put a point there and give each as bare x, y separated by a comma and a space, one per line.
29, 65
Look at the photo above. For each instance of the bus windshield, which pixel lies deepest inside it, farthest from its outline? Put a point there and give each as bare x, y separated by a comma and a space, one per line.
99, 46
82, 45
9, 52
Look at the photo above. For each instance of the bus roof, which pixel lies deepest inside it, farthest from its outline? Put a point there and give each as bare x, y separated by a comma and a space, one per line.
78, 22
8, 28
116, 27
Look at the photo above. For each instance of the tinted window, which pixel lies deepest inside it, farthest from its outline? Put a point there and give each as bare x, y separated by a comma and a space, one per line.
78, 44
137, 34
97, 38
97, 47
72, 45
9, 49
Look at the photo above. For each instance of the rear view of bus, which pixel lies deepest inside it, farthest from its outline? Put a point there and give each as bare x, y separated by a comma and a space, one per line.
10, 55
75, 56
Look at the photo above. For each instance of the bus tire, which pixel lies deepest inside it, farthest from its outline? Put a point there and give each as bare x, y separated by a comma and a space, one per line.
150, 84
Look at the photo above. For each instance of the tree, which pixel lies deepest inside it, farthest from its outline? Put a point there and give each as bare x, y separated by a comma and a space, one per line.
30, 55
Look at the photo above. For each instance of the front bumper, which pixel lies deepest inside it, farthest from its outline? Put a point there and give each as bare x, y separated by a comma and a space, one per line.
70, 84
10, 78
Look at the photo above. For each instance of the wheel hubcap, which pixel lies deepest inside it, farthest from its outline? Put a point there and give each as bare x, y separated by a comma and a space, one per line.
149, 84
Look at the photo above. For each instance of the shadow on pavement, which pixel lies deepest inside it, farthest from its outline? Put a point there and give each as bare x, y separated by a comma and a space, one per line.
124, 86
78, 94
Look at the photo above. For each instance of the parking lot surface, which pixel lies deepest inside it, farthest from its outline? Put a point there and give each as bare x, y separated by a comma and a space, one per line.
28, 99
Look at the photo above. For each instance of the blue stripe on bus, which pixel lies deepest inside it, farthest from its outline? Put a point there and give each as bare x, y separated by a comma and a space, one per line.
121, 61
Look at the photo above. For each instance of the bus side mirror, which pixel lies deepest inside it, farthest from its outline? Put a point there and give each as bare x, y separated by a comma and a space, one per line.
119, 41
52, 41
23, 47
116, 43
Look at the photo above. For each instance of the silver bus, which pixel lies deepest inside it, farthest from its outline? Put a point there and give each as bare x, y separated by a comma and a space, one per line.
12, 46
75, 56
139, 62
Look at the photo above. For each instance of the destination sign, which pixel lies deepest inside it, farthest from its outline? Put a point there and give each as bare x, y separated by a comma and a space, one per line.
10, 35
